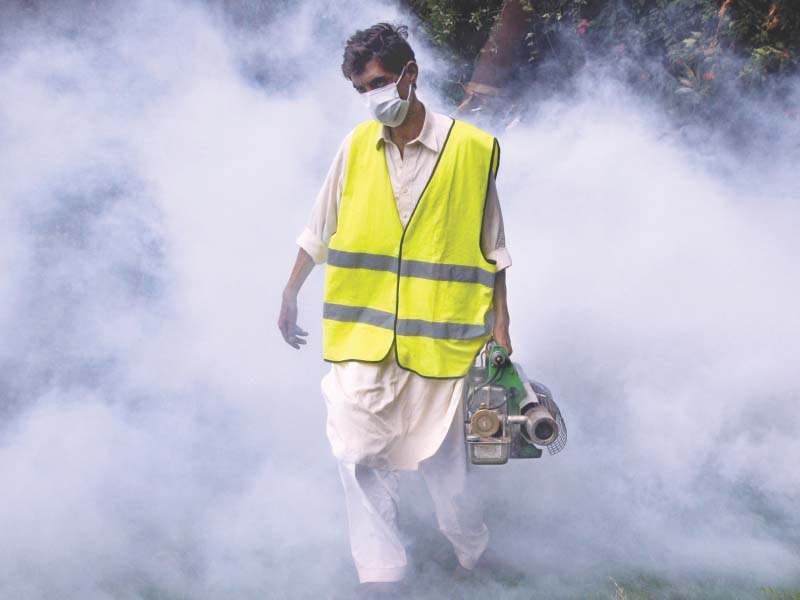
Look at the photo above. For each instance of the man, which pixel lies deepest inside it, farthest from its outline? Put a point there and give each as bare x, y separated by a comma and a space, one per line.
409, 224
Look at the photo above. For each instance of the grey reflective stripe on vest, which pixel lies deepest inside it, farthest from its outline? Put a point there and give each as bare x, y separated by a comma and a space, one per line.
358, 314
362, 260
445, 272
411, 268
440, 331
385, 320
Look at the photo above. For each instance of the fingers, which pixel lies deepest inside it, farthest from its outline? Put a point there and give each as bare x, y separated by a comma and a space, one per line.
292, 334
297, 338
284, 326
294, 341
287, 323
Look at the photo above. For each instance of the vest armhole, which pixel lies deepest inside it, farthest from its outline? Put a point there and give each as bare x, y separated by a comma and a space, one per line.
496, 157
494, 167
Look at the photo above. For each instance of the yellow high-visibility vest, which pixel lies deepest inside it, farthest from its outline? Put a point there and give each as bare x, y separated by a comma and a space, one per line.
426, 287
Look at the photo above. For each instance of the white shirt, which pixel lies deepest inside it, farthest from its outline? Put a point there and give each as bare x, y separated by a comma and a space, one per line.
382, 415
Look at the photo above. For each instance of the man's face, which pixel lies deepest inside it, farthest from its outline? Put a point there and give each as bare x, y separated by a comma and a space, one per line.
374, 76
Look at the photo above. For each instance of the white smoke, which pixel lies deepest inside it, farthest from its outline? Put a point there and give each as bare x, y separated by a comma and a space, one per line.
159, 438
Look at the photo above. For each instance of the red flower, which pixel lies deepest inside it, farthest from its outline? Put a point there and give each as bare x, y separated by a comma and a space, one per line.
708, 76
583, 25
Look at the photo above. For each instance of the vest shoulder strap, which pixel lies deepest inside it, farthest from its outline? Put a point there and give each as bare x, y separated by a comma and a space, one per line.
365, 133
468, 132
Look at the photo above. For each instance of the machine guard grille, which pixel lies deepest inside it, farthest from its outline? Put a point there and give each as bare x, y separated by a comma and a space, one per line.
546, 399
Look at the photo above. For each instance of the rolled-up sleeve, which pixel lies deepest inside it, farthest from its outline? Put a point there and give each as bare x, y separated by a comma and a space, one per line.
493, 237
323, 221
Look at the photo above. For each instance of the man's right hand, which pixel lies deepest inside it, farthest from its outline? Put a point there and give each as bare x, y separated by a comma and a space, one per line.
287, 322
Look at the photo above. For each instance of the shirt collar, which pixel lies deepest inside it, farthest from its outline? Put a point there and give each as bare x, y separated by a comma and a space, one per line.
426, 137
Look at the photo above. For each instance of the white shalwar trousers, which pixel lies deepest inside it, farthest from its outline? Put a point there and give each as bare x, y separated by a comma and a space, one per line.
372, 497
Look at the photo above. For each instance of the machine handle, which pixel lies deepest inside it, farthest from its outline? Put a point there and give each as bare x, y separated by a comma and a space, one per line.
498, 356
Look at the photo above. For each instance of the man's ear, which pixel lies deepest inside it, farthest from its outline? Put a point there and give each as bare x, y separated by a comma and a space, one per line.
413, 71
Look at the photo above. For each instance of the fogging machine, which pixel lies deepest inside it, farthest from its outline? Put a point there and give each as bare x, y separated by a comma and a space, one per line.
506, 414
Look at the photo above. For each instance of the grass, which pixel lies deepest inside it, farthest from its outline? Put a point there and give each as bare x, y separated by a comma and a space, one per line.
773, 594
769, 593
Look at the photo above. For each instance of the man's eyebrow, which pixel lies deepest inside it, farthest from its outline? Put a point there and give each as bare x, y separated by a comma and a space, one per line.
371, 83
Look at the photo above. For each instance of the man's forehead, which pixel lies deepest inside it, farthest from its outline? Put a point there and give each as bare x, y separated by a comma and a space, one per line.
372, 70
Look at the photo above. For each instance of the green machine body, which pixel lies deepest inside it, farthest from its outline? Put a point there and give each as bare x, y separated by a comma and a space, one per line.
506, 415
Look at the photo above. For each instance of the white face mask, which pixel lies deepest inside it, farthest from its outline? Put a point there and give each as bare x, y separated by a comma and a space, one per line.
386, 105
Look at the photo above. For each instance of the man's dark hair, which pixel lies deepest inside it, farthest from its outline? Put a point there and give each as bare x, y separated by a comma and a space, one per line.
383, 41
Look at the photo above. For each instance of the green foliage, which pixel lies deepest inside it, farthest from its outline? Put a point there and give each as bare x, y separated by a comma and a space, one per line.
548, 19
704, 45
462, 25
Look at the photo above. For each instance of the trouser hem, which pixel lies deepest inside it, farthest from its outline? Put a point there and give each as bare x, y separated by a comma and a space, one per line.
380, 575
468, 564
469, 560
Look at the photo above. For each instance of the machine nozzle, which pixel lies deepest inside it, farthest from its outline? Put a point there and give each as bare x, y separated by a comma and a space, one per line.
544, 430
538, 425
542, 427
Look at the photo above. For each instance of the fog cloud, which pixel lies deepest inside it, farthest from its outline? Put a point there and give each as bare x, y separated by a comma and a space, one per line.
159, 439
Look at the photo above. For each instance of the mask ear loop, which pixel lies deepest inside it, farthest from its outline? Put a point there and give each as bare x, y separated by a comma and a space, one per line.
411, 88
402, 73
